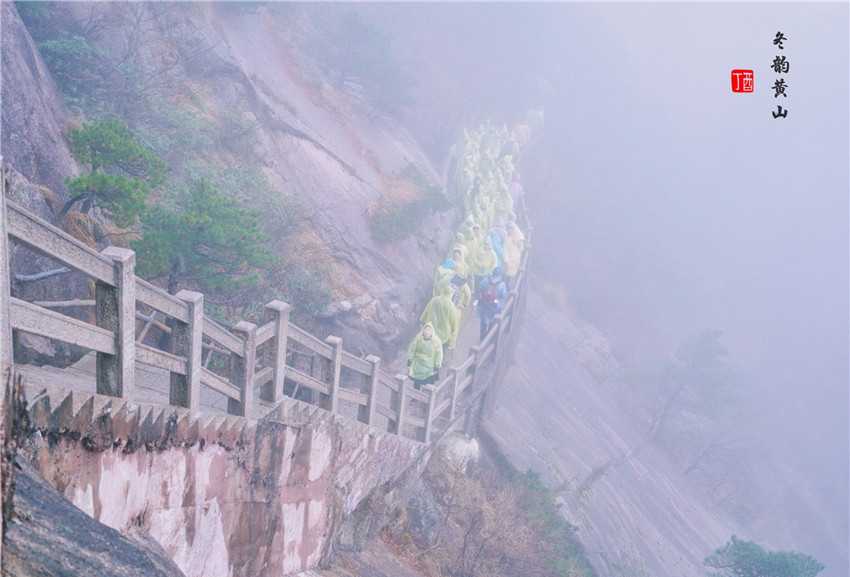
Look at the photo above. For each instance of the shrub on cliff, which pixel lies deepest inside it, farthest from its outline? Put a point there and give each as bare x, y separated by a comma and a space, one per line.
77, 67
202, 238
409, 200
739, 558
121, 173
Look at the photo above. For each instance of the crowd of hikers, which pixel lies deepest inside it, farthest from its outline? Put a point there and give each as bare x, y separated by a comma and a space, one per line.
485, 256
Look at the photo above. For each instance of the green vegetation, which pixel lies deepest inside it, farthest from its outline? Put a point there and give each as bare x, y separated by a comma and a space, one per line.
558, 547
394, 221
739, 558
175, 132
490, 520
201, 237
121, 174
76, 66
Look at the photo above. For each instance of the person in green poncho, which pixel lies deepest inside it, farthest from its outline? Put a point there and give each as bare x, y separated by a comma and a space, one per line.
483, 260
425, 357
466, 230
443, 315
459, 258
514, 246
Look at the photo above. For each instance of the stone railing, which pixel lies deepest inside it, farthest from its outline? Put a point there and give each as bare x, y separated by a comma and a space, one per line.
251, 366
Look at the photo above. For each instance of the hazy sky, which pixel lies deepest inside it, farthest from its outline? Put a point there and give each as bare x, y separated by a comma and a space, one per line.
687, 206
666, 204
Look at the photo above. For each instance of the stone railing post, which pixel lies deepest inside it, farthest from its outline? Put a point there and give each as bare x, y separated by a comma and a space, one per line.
187, 341
475, 352
497, 340
242, 369
455, 385
431, 391
278, 312
5, 336
402, 401
115, 310
367, 413
336, 365
514, 305
5, 291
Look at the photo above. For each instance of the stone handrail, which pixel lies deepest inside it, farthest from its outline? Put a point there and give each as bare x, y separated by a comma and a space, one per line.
263, 357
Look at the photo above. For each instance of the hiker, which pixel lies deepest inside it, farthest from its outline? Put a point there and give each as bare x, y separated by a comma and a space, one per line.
483, 260
445, 272
459, 258
514, 246
497, 241
425, 357
491, 298
442, 314
466, 231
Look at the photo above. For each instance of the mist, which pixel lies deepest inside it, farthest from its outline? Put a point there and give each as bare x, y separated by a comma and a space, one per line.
668, 205
683, 206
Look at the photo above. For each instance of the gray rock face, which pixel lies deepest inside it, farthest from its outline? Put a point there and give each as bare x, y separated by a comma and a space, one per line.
314, 142
554, 416
223, 497
424, 517
49, 537
33, 115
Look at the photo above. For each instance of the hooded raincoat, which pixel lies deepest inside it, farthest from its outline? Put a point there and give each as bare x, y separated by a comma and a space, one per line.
484, 260
514, 245
424, 356
442, 313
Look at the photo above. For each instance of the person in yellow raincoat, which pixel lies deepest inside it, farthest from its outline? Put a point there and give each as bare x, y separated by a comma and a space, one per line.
459, 258
425, 357
466, 231
514, 246
452, 269
483, 260
443, 315
460, 242
444, 273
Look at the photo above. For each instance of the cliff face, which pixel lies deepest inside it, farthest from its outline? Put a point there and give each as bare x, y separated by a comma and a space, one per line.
562, 413
33, 116
49, 537
318, 142
221, 497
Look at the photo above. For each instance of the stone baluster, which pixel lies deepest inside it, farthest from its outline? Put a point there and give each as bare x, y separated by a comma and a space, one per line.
278, 312
475, 353
401, 379
115, 310
187, 342
367, 413
455, 385
242, 369
431, 391
336, 364
5, 290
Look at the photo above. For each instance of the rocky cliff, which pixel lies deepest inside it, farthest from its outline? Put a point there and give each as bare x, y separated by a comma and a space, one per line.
257, 97
49, 537
219, 496
33, 115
